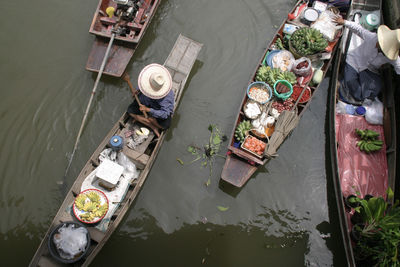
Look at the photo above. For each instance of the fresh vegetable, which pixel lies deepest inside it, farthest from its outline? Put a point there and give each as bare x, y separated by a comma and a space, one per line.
317, 78
271, 75
279, 44
283, 105
241, 130
369, 142
308, 41
255, 145
296, 93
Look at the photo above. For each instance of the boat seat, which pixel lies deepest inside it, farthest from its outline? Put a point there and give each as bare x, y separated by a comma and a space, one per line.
108, 21
47, 261
135, 26
96, 234
139, 158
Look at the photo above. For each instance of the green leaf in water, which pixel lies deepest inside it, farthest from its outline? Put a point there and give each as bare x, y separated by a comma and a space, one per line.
208, 182
211, 127
222, 208
180, 161
216, 140
192, 149
204, 163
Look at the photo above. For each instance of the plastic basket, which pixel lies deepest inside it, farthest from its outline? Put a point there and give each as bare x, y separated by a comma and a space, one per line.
260, 85
286, 95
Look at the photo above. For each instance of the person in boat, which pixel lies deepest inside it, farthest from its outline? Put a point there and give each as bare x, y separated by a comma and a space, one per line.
156, 98
361, 73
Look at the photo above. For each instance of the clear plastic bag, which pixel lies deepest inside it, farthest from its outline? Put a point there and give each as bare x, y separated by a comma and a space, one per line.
374, 113
302, 67
326, 25
283, 60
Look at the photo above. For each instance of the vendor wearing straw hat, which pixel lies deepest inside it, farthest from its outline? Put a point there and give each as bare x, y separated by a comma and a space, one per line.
361, 75
156, 98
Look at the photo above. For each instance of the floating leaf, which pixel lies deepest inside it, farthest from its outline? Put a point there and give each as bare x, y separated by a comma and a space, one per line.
204, 163
180, 161
208, 182
216, 140
192, 149
222, 208
210, 127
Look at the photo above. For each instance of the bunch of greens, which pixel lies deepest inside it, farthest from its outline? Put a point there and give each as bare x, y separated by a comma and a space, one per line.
209, 151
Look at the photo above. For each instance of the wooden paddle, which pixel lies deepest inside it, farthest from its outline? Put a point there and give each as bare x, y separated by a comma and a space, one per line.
103, 64
133, 90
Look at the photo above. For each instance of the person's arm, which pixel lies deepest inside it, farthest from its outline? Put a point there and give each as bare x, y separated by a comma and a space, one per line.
354, 27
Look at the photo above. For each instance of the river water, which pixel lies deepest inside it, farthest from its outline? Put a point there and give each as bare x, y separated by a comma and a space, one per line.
284, 216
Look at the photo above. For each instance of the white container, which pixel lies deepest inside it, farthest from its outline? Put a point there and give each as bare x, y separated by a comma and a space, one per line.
109, 173
320, 6
370, 21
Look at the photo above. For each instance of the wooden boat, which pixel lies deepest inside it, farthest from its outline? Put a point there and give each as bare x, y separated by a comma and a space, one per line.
125, 43
240, 163
382, 174
179, 63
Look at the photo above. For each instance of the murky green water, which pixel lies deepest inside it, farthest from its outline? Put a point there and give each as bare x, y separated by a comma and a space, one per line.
280, 218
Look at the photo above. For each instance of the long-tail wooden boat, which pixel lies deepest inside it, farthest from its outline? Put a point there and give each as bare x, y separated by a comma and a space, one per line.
378, 167
130, 33
179, 62
240, 163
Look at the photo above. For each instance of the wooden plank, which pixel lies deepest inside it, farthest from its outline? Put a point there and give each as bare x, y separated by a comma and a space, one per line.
95, 234
237, 172
49, 262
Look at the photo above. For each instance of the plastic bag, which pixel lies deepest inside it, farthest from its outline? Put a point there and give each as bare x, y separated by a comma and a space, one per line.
374, 113
130, 170
326, 26
341, 107
283, 60
302, 67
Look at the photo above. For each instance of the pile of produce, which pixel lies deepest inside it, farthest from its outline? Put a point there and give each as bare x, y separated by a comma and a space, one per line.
254, 145
297, 91
242, 129
259, 94
283, 105
308, 41
270, 75
90, 206
369, 142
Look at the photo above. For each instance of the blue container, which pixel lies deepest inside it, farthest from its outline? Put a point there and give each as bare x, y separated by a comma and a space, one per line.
268, 58
116, 142
262, 85
361, 110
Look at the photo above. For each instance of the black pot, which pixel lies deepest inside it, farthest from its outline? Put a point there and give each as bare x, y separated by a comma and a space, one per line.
357, 218
349, 204
53, 249
355, 235
367, 197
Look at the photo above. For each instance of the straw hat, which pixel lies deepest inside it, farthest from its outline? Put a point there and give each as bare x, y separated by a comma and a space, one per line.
389, 41
155, 81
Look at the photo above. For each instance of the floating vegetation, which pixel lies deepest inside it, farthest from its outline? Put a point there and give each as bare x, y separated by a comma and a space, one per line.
208, 152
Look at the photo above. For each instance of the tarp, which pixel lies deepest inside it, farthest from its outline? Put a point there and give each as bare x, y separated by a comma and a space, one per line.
359, 171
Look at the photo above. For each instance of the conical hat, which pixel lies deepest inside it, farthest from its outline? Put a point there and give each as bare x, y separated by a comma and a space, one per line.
389, 41
155, 81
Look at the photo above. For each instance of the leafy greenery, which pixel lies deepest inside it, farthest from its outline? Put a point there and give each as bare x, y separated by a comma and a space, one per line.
380, 235
209, 151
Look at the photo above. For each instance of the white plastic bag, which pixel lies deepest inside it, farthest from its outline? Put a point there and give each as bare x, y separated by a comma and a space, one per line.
326, 26
374, 113
341, 107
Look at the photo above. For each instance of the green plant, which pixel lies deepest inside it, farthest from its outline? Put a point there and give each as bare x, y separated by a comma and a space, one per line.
308, 41
209, 151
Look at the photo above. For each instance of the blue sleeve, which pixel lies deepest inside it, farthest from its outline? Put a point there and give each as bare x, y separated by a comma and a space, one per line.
166, 107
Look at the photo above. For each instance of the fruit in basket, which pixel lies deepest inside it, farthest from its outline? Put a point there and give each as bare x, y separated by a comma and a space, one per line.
271, 75
242, 130
254, 145
308, 41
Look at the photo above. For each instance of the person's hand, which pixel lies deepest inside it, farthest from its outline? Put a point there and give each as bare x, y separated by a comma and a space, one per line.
339, 20
143, 108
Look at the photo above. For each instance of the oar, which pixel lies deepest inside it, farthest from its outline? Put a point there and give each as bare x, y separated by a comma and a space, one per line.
103, 64
127, 79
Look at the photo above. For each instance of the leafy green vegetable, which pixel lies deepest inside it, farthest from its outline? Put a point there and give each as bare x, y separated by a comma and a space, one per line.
180, 161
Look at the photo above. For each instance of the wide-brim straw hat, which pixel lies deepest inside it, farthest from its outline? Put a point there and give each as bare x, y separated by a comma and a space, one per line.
389, 41
155, 81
